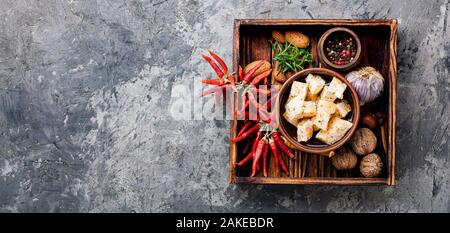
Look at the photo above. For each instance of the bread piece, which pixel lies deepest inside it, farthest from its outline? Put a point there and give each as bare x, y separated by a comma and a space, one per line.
294, 110
298, 89
342, 108
311, 97
321, 119
337, 87
326, 106
315, 128
304, 130
327, 94
309, 109
336, 130
315, 84
291, 121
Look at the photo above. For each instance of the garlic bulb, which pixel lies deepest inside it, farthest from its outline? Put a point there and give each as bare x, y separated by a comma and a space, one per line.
367, 82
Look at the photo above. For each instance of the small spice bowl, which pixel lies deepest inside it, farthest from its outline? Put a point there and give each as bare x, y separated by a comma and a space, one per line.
339, 48
290, 132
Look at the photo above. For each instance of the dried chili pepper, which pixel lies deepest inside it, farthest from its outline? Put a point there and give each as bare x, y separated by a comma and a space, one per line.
244, 127
245, 160
281, 145
255, 142
240, 73
273, 148
216, 81
214, 89
263, 91
265, 152
257, 105
246, 134
220, 61
268, 104
261, 76
249, 144
248, 76
213, 65
242, 111
257, 155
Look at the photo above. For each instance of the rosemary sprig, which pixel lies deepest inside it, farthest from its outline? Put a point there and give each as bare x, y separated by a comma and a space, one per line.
290, 57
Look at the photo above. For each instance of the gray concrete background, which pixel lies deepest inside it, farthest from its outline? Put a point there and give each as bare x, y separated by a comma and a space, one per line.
86, 89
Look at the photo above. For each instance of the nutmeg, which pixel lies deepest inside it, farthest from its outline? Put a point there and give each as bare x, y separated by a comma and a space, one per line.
298, 39
371, 165
369, 120
344, 159
277, 35
363, 141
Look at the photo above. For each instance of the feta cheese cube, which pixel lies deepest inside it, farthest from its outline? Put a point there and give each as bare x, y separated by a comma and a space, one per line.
342, 108
337, 87
336, 130
327, 94
299, 89
309, 109
321, 119
326, 106
315, 84
304, 130
294, 110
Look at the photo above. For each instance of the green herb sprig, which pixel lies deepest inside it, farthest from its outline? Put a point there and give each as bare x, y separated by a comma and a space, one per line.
290, 57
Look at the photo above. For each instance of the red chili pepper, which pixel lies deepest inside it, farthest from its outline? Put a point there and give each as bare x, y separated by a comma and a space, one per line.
231, 78
262, 91
257, 105
214, 89
255, 142
244, 127
244, 105
220, 61
213, 65
281, 145
246, 134
283, 165
240, 73
259, 150
266, 151
232, 83
268, 104
248, 76
216, 81
245, 160
273, 148
249, 144
261, 76
273, 120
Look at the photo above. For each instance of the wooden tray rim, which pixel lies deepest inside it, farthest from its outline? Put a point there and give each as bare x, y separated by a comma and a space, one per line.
390, 180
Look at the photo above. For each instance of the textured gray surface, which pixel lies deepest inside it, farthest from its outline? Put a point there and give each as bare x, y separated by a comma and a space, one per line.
87, 87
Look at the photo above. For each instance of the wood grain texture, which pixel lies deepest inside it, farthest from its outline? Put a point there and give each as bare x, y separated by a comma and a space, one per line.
379, 38
393, 100
233, 149
311, 181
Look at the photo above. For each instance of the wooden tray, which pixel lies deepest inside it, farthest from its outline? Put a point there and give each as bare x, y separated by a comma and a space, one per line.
379, 48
